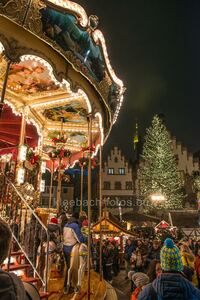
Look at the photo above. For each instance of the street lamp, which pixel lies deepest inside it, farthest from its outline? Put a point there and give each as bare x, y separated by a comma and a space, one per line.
158, 197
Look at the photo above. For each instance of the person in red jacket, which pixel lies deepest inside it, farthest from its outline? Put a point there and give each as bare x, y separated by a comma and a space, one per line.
197, 266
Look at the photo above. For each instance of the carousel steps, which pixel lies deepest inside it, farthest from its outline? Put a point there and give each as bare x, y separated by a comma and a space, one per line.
31, 279
18, 253
16, 267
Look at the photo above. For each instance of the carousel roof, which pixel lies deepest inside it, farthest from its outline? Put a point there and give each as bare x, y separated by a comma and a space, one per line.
60, 73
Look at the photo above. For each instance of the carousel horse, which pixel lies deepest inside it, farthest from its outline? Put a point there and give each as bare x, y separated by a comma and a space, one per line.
77, 266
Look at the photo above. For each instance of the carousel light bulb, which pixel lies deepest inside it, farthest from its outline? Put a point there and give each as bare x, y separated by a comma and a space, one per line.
20, 175
22, 152
43, 167
42, 186
1, 47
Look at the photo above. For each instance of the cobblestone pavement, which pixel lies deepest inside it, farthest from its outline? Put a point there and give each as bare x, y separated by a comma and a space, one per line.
122, 286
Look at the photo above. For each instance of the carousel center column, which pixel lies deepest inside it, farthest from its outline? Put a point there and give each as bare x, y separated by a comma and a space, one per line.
22, 151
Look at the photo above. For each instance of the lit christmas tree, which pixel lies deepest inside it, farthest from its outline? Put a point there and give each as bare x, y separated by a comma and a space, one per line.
158, 173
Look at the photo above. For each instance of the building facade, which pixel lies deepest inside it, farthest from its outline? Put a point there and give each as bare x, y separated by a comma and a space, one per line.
186, 163
117, 181
66, 197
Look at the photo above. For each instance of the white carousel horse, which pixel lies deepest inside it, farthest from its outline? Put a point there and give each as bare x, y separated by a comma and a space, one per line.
77, 266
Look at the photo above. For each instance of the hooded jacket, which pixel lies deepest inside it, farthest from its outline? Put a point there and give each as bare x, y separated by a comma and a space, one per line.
72, 234
169, 286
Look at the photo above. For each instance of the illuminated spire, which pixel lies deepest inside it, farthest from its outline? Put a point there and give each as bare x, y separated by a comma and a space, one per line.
136, 136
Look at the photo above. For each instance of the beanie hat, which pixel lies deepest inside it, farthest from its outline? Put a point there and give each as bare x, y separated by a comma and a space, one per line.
140, 279
170, 257
53, 221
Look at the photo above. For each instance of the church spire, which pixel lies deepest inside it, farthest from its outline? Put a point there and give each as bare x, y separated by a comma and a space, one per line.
136, 136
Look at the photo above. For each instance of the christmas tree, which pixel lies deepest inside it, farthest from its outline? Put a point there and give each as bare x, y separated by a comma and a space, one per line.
158, 174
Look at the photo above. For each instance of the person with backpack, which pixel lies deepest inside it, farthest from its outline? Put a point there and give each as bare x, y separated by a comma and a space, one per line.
171, 283
11, 287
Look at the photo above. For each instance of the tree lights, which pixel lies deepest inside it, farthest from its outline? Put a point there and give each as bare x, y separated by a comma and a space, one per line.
159, 180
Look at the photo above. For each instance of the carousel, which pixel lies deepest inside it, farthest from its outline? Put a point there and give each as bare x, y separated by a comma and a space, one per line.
59, 99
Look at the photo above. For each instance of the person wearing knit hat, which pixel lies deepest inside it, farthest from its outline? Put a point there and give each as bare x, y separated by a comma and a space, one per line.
171, 283
140, 280
170, 257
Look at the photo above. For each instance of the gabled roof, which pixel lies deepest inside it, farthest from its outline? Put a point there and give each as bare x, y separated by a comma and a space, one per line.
162, 225
109, 224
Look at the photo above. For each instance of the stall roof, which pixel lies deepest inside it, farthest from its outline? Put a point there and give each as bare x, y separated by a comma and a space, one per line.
110, 225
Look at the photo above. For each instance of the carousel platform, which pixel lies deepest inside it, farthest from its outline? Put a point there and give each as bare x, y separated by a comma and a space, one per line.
98, 289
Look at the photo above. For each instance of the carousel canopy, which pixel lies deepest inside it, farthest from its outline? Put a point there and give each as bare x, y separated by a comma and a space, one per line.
60, 74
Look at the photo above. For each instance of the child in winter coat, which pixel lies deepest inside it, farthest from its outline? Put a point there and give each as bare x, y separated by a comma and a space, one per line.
140, 280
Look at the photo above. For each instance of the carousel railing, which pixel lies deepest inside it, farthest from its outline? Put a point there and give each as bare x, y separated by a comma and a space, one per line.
28, 231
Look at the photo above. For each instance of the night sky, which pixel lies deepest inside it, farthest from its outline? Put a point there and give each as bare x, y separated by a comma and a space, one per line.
154, 47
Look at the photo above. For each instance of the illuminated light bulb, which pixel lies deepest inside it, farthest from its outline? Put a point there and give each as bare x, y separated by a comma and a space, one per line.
43, 167
20, 176
22, 152
42, 186
1, 48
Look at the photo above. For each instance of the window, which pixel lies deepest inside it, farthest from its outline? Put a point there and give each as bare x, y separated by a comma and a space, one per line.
106, 185
118, 185
129, 185
121, 171
110, 171
65, 190
116, 160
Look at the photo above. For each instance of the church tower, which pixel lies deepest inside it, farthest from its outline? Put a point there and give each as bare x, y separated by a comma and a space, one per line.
136, 143
136, 137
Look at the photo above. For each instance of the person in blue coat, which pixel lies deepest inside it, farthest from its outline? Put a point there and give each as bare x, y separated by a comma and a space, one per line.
171, 283
71, 235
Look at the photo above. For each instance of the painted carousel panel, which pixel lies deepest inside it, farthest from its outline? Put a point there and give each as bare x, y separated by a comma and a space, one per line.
29, 78
62, 28
72, 112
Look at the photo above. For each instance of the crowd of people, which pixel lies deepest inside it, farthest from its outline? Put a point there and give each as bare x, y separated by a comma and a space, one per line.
156, 270
169, 270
